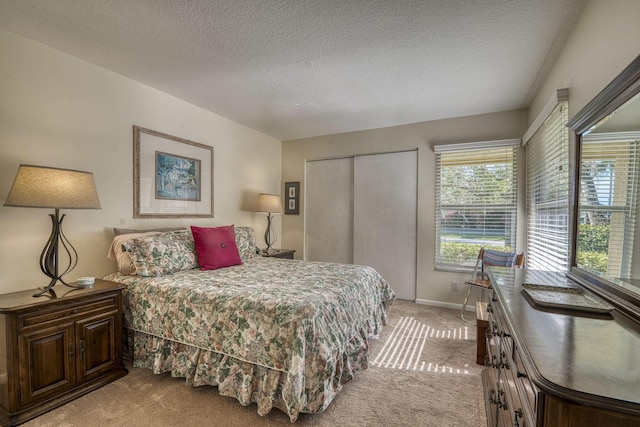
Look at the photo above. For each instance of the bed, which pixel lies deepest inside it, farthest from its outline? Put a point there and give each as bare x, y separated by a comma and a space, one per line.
279, 333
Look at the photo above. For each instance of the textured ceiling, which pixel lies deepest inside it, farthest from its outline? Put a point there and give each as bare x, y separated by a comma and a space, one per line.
299, 68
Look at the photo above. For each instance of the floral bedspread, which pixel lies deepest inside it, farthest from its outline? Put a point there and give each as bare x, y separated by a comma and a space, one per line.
280, 333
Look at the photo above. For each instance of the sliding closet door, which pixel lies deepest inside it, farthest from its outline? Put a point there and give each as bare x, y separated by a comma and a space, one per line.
329, 210
385, 217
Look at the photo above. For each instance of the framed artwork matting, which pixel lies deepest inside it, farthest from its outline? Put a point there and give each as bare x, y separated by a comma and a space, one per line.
292, 198
172, 177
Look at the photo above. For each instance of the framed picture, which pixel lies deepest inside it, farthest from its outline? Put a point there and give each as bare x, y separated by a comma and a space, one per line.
172, 177
292, 198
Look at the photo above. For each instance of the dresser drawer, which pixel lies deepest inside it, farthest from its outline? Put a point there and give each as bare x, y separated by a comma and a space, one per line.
518, 407
500, 329
508, 399
499, 340
527, 390
490, 388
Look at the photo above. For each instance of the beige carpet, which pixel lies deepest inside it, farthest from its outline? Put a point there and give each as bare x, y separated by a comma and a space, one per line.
422, 373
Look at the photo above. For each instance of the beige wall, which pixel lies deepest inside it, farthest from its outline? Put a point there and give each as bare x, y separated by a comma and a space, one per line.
56, 110
431, 285
59, 111
616, 47
604, 41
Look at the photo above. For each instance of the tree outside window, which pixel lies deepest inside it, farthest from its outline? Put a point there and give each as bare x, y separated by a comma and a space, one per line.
476, 203
606, 220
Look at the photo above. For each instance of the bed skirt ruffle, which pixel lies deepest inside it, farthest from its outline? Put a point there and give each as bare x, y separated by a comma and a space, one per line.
292, 393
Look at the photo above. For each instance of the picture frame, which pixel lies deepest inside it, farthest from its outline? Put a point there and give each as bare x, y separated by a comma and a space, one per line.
292, 198
172, 176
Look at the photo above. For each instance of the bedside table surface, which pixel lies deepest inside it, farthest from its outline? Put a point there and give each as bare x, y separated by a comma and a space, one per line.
279, 253
21, 299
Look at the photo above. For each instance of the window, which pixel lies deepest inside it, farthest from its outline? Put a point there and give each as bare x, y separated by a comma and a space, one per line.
475, 200
608, 197
548, 193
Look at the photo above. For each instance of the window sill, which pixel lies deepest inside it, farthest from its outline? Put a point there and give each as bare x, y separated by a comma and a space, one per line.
454, 269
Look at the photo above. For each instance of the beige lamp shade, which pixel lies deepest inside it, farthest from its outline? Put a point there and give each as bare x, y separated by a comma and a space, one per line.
46, 187
269, 203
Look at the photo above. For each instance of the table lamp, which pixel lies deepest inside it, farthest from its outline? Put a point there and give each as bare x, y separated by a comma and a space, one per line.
269, 204
54, 188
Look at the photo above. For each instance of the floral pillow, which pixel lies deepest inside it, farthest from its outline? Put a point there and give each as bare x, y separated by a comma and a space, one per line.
246, 242
118, 253
163, 253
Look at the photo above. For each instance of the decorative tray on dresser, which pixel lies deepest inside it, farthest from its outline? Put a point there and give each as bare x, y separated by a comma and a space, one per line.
557, 363
565, 297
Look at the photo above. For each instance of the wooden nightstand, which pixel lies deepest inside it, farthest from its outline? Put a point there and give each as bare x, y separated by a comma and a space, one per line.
55, 349
279, 253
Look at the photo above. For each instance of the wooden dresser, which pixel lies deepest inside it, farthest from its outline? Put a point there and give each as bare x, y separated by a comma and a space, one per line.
557, 367
53, 350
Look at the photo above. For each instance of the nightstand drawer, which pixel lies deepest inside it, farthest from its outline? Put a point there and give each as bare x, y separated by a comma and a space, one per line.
55, 315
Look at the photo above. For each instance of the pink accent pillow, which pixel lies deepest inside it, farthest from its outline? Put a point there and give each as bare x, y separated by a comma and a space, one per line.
216, 247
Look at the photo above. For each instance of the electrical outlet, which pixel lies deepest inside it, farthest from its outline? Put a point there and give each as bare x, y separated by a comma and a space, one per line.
454, 286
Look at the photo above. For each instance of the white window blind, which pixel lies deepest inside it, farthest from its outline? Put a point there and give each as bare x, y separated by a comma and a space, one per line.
548, 193
475, 203
608, 197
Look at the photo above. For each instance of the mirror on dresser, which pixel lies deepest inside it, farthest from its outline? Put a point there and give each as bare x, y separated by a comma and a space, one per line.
606, 220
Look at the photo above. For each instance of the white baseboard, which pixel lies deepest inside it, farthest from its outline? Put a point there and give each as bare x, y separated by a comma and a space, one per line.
470, 307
